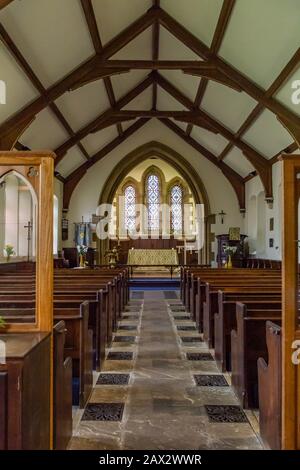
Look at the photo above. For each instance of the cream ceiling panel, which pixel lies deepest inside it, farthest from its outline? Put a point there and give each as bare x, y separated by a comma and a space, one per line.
19, 89
227, 105
138, 49
200, 17
95, 142
127, 81
52, 35
166, 102
170, 48
285, 94
142, 101
215, 143
84, 104
115, 15
187, 84
267, 135
71, 161
45, 132
238, 162
261, 37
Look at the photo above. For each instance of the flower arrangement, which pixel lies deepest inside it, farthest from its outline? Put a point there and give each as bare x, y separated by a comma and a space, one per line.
8, 251
82, 251
230, 250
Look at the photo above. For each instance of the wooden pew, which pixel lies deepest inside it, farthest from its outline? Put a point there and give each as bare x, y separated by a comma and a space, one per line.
248, 343
269, 389
62, 383
210, 306
79, 346
225, 320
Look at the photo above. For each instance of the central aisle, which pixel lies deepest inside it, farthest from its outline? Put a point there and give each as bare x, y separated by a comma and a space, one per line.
168, 395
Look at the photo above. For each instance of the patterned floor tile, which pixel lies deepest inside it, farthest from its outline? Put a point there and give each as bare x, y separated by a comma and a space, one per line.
103, 412
199, 357
124, 339
191, 339
130, 317
214, 380
127, 327
171, 294
137, 295
113, 379
120, 356
225, 414
186, 328
181, 317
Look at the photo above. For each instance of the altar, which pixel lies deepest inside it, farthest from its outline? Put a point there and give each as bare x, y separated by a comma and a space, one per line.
152, 257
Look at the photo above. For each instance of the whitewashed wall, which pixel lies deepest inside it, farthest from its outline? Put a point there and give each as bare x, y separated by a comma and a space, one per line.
258, 214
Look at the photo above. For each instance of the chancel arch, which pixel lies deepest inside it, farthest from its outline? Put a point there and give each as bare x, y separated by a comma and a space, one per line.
169, 170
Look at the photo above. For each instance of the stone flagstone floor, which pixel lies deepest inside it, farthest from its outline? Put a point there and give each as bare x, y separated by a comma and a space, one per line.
155, 398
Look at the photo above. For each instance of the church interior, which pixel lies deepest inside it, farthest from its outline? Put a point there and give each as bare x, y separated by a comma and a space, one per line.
149, 225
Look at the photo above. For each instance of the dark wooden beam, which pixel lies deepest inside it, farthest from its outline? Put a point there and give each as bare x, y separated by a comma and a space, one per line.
11, 129
4, 3
219, 33
287, 71
73, 179
245, 83
95, 35
102, 118
234, 178
12, 48
260, 163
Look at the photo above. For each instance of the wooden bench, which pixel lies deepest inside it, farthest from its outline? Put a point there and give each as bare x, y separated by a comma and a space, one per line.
269, 389
248, 343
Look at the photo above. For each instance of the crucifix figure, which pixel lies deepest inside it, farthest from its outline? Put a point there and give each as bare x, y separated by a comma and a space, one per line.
29, 228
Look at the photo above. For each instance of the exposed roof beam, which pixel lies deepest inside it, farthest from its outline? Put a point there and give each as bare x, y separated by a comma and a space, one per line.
256, 159
12, 48
219, 34
4, 3
102, 119
234, 178
155, 52
11, 129
73, 179
287, 71
95, 35
245, 83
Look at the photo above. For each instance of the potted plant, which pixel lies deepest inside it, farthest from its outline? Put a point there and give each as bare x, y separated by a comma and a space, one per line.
82, 251
2, 323
230, 251
8, 251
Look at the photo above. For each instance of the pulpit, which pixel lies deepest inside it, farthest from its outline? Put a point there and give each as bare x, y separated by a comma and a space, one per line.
239, 258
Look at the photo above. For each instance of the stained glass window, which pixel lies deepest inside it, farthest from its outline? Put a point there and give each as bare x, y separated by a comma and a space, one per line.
176, 208
153, 201
129, 208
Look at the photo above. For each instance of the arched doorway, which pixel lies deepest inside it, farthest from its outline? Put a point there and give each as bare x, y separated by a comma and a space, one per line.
182, 168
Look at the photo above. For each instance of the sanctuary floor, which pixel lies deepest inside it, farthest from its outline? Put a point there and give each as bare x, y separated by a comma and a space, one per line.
169, 395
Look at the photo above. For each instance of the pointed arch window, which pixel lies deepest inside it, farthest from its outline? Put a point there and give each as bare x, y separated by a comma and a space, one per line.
176, 203
130, 208
153, 201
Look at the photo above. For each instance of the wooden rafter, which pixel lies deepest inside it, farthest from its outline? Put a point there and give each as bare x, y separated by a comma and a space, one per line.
245, 83
95, 35
11, 129
102, 119
12, 48
219, 34
4, 3
262, 165
235, 179
288, 70
155, 52
73, 179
